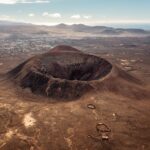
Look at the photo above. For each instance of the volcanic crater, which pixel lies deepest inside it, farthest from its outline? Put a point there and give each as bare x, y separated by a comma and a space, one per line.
63, 72
67, 73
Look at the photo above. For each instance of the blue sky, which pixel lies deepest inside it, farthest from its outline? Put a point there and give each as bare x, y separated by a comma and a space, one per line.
90, 12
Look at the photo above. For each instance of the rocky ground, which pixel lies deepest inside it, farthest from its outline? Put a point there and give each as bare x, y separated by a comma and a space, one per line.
34, 122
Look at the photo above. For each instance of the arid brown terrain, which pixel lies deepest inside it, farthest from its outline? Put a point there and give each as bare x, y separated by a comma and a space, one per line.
30, 120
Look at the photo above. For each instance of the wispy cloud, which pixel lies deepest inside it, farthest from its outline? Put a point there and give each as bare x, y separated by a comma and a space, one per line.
11, 2
77, 16
31, 15
33, 1
7, 18
8, 1
53, 15
87, 17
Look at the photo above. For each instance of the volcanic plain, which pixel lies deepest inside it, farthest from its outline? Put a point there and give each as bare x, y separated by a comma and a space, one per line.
55, 91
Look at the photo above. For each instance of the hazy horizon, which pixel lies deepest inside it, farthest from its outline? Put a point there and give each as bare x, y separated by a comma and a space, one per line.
94, 12
145, 26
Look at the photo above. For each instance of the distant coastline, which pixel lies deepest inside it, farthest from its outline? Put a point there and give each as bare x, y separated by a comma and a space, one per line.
132, 26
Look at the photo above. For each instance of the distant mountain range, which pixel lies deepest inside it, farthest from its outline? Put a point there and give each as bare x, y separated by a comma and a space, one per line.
12, 23
75, 28
99, 29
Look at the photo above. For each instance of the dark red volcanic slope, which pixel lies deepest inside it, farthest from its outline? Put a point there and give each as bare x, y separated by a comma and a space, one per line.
65, 72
